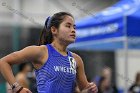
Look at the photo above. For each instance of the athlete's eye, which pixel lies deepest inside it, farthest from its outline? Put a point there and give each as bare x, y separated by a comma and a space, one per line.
68, 26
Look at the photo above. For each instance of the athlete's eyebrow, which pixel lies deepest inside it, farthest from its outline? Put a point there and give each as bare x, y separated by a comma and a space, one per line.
70, 24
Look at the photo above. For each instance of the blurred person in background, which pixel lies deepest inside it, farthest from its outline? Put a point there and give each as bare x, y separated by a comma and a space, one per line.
105, 72
26, 77
104, 81
22, 76
135, 88
105, 86
57, 69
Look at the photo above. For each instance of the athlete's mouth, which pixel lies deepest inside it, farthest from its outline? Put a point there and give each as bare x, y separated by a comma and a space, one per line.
73, 36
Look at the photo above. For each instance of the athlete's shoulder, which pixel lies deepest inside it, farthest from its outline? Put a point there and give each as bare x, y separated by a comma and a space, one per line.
35, 48
32, 51
76, 56
78, 59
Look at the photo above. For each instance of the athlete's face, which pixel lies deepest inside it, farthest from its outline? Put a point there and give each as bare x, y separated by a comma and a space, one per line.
66, 31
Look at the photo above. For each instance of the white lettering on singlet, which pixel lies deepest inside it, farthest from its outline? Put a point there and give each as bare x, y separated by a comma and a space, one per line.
64, 69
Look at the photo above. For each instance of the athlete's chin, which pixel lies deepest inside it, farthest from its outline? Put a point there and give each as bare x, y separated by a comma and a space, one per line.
71, 41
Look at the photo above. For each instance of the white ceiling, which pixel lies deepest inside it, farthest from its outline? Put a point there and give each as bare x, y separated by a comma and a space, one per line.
38, 10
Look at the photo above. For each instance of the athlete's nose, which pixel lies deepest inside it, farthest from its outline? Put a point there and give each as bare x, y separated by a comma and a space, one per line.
73, 30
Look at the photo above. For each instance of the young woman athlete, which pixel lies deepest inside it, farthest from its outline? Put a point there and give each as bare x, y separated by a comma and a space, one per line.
57, 69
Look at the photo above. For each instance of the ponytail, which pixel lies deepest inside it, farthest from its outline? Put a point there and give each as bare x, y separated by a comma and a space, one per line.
46, 34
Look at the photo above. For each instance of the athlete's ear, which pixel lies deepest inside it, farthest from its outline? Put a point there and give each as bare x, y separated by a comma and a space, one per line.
54, 30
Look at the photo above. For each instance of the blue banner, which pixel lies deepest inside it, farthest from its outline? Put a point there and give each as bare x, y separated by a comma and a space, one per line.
113, 28
118, 21
114, 21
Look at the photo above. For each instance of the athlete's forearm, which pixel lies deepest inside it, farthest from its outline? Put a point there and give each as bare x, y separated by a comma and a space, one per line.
7, 72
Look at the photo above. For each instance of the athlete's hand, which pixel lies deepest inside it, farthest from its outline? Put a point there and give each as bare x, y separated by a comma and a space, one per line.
25, 90
92, 88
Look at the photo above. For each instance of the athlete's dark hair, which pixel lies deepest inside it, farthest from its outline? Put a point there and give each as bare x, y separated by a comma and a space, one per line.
46, 34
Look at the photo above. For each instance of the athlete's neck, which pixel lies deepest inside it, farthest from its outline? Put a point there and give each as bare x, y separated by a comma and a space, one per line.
60, 47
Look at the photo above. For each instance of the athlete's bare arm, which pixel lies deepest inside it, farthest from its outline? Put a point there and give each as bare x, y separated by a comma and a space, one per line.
29, 54
81, 77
